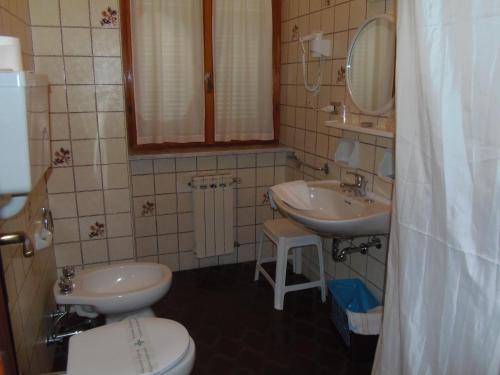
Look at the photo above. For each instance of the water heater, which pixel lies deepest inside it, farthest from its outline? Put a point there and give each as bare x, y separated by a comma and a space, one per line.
24, 137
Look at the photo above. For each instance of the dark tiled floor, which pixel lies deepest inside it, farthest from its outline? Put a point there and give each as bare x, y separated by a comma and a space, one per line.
237, 331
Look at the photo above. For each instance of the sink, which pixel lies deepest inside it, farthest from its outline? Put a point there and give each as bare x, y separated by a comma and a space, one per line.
339, 213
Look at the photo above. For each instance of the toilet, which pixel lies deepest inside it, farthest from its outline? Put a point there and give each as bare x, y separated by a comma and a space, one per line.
149, 346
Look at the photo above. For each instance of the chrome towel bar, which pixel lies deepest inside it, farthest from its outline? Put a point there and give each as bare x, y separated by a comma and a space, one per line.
325, 168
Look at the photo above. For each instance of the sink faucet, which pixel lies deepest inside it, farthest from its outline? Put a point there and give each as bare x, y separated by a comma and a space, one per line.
359, 186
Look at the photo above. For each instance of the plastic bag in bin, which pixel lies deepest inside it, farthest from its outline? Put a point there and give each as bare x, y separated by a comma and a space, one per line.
363, 310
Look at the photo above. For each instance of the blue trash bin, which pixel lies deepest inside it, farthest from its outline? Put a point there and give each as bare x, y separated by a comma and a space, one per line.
352, 295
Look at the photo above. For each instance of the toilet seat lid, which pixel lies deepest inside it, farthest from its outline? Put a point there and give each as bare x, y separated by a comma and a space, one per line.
147, 346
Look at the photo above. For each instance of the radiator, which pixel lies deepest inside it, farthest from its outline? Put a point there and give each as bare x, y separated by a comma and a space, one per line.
213, 215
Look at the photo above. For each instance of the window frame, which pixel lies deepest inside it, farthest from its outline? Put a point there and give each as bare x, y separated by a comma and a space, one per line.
128, 79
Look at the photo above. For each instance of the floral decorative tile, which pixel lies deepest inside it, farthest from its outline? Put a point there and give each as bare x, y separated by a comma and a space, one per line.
96, 230
148, 208
62, 157
109, 17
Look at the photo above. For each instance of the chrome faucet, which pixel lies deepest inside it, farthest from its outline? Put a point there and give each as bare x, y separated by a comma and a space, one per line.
65, 285
66, 280
359, 186
69, 272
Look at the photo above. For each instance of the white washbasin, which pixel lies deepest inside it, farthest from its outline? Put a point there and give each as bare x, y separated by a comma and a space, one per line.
116, 289
337, 213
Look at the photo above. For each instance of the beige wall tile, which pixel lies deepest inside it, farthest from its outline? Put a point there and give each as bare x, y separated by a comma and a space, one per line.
106, 42
121, 248
63, 205
119, 225
86, 152
47, 41
113, 151
117, 200
115, 176
170, 260
108, 70
88, 178
90, 203
68, 254
145, 226
66, 230
44, 12
76, 41
53, 67
83, 125
59, 128
79, 70
61, 180
146, 246
74, 12
165, 183
109, 98
164, 165
58, 99
81, 98
95, 251
111, 124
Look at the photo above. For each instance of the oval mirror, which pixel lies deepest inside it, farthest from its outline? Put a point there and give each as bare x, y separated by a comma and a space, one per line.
370, 66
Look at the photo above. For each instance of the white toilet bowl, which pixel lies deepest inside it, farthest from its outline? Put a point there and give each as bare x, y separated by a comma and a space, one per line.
149, 346
117, 291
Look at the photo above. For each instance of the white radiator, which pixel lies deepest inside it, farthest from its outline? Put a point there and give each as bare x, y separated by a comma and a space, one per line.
213, 215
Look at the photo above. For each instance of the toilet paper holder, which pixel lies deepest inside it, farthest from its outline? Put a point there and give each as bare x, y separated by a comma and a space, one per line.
18, 238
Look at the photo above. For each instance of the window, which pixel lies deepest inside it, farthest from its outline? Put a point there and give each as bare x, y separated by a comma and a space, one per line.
201, 72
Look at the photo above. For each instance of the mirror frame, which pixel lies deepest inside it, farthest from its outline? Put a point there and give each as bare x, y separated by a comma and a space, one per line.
390, 104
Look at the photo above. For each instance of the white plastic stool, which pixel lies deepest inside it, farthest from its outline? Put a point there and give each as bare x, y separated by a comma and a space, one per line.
287, 235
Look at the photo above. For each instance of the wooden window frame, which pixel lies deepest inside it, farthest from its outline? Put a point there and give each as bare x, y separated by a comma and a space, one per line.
126, 32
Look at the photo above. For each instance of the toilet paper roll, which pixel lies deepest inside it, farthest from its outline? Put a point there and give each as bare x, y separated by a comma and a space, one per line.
10, 50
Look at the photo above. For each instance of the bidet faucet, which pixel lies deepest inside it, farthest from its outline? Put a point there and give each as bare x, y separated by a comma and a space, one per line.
68, 271
65, 285
359, 186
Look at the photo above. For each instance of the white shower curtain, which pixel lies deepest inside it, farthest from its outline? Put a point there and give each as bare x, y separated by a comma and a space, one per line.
442, 304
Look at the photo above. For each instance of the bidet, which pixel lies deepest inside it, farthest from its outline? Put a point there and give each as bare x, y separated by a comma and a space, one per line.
118, 291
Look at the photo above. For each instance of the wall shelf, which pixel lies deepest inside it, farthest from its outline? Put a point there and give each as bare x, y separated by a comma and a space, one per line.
360, 129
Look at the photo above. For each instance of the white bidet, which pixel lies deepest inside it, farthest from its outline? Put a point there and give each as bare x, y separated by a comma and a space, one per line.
117, 291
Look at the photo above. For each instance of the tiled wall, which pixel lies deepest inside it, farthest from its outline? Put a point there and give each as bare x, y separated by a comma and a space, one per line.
303, 128
98, 218
162, 204
77, 43
28, 281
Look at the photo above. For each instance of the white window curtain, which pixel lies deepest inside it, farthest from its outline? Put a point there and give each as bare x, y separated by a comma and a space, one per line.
243, 70
167, 44
442, 303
